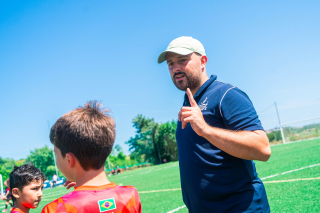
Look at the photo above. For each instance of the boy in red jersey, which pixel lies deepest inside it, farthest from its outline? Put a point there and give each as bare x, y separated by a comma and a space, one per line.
83, 139
26, 183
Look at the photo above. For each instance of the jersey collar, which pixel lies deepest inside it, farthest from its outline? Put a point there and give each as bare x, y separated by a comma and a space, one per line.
201, 90
83, 188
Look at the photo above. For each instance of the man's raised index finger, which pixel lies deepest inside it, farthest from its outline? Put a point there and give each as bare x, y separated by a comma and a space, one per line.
190, 96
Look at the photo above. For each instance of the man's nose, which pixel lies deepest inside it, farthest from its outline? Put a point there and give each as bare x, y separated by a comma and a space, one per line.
176, 68
40, 193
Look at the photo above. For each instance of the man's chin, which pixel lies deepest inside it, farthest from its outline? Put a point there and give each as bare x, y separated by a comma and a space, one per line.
181, 86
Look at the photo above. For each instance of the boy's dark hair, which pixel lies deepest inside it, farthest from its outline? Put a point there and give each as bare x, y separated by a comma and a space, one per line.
21, 176
87, 132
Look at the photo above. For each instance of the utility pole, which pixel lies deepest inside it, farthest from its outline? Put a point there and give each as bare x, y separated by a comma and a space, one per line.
54, 156
109, 163
1, 185
282, 135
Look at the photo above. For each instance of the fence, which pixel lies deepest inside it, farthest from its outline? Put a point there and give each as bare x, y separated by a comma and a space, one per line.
134, 166
273, 116
302, 130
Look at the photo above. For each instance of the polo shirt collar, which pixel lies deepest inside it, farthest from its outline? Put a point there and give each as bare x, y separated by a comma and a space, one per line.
201, 89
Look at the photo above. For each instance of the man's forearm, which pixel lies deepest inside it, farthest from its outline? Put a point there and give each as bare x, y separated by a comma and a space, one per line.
249, 145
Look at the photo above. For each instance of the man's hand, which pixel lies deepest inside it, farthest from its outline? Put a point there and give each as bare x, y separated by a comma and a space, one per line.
192, 115
249, 145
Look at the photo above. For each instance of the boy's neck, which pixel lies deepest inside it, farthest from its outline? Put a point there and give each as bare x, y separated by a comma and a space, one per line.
18, 205
92, 178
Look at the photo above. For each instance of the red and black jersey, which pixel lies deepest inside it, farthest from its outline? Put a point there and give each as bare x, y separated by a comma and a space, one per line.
109, 198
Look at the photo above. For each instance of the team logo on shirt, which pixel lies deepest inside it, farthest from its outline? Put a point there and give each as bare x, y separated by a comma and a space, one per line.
203, 105
107, 204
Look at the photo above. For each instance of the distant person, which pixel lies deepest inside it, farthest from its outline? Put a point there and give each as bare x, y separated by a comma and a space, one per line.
83, 139
218, 135
26, 183
113, 171
54, 180
118, 170
7, 197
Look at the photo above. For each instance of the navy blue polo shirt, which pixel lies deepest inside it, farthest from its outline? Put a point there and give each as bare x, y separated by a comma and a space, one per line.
212, 180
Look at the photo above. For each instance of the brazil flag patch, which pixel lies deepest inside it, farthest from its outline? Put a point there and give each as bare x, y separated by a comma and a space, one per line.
107, 204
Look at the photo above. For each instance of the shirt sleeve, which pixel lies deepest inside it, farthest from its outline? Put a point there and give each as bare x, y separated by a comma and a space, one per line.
237, 111
139, 208
50, 208
134, 205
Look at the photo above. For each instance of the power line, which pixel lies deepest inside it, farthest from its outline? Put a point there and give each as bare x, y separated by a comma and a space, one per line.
299, 104
265, 109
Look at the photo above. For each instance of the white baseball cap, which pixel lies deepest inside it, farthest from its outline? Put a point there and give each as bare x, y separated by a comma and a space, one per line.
183, 45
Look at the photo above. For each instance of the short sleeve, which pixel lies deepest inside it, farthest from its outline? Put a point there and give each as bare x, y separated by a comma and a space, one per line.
237, 111
139, 208
50, 208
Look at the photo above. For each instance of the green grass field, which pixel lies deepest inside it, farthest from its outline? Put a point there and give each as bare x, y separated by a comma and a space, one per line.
295, 191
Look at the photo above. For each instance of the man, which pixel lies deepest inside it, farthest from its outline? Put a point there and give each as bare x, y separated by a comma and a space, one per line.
218, 136
54, 180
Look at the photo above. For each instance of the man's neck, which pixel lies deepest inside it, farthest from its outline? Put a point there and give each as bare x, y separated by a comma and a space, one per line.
18, 205
203, 80
92, 178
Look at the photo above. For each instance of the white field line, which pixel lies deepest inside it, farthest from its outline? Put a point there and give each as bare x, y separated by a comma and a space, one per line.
148, 171
291, 180
56, 194
177, 209
294, 170
160, 190
140, 192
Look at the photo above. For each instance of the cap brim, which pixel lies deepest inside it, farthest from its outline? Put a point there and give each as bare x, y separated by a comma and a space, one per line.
180, 51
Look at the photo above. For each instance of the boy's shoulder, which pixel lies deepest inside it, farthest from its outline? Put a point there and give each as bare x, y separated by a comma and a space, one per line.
97, 199
16, 210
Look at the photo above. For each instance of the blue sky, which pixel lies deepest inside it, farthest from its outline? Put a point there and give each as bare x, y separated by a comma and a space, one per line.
56, 55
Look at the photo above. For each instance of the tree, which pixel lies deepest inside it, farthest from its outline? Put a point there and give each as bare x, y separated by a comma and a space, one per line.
144, 141
50, 171
6, 166
274, 136
153, 141
117, 158
118, 148
167, 141
42, 158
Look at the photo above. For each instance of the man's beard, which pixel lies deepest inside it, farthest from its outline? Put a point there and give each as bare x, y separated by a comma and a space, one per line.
192, 81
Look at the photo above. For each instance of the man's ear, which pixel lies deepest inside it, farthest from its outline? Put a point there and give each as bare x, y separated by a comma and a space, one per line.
203, 61
71, 159
16, 193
